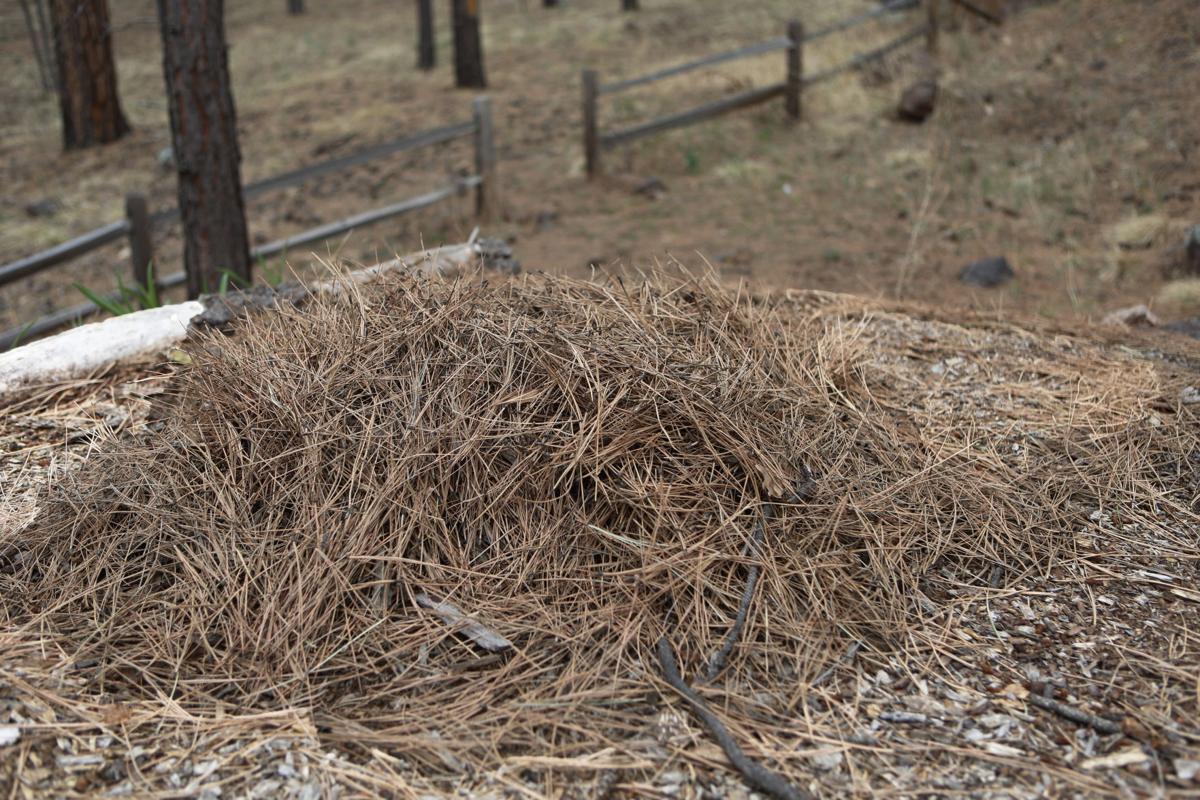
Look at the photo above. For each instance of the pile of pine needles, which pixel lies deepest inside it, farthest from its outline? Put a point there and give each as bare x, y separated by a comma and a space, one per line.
575, 471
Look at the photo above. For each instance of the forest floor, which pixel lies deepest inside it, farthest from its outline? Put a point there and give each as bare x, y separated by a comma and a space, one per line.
1064, 140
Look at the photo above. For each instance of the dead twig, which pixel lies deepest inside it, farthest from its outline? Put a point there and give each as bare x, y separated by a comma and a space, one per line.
1065, 711
717, 662
755, 774
846, 658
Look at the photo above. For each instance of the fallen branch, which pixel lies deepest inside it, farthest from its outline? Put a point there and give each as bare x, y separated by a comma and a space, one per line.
717, 662
758, 776
1099, 724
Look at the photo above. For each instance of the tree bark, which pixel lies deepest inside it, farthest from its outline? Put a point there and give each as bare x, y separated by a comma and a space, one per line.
468, 46
87, 76
204, 136
295, 6
426, 53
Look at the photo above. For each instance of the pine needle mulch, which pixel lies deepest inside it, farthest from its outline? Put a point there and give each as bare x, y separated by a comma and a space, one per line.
433, 533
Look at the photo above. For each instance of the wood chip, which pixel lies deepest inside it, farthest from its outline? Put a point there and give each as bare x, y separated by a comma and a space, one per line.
1121, 758
9, 734
1187, 594
452, 615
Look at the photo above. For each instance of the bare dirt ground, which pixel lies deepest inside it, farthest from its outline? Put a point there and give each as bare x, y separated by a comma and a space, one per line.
1065, 140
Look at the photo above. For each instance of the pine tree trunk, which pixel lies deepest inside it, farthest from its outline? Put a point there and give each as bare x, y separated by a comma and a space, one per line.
468, 46
426, 54
87, 76
204, 136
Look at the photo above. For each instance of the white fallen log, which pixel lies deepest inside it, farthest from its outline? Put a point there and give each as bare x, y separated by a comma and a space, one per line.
83, 350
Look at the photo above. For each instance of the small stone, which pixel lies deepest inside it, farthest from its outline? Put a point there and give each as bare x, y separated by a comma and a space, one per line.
652, 188
1139, 316
166, 157
987, 272
309, 791
9, 734
267, 788
826, 761
43, 208
1189, 395
918, 101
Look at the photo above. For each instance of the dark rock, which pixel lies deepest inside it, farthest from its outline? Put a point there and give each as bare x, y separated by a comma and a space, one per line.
988, 272
545, 220
497, 254
222, 309
651, 187
918, 101
43, 208
1188, 327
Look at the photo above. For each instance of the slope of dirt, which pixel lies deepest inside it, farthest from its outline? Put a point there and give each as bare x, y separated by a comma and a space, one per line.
1062, 134
1000, 525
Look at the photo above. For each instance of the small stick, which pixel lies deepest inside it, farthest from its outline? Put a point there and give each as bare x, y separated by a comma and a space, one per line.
1094, 722
846, 658
803, 492
717, 662
758, 776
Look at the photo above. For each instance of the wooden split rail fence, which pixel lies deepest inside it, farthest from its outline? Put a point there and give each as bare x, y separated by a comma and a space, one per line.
138, 224
791, 88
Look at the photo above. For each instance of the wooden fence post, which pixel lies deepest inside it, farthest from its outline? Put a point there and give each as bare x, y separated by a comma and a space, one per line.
795, 68
931, 26
426, 54
485, 158
591, 139
141, 251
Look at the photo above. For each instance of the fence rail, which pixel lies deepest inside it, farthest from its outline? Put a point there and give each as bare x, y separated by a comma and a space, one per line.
63, 252
791, 88
138, 224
